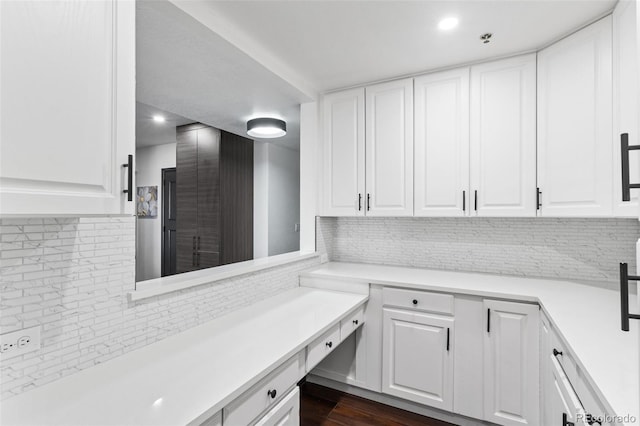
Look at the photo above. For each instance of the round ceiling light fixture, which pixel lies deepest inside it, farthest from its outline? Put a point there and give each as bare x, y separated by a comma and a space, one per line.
266, 128
448, 23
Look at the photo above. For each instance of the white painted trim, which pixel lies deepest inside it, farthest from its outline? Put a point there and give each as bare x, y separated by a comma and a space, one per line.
164, 285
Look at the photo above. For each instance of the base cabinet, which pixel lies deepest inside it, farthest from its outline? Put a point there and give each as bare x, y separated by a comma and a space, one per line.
286, 413
417, 357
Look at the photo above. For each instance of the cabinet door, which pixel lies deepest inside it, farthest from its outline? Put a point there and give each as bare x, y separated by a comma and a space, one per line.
389, 149
441, 117
208, 198
286, 413
344, 153
626, 103
68, 106
511, 363
561, 403
417, 357
574, 124
186, 198
503, 137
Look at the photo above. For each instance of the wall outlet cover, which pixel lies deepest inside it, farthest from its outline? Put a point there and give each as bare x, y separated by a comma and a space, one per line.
19, 342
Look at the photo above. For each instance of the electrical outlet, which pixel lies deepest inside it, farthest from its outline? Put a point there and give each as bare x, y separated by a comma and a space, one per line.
19, 342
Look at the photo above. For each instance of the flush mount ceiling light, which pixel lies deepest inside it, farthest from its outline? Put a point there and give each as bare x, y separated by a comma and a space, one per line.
266, 128
448, 23
158, 119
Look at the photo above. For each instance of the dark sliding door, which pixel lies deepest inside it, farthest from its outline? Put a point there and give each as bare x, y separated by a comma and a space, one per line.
168, 221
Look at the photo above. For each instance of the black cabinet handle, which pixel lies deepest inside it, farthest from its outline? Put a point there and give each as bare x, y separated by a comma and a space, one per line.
359, 202
488, 320
198, 242
355, 322
538, 199
475, 200
464, 201
556, 352
198, 259
129, 166
565, 422
624, 149
368, 201
447, 339
624, 296
272, 393
329, 344
415, 301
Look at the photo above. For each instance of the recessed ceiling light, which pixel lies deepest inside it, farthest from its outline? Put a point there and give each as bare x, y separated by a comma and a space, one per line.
266, 128
158, 119
448, 23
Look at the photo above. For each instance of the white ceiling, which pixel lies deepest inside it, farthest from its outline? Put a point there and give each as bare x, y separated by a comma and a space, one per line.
150, 132
184, 68
336, 44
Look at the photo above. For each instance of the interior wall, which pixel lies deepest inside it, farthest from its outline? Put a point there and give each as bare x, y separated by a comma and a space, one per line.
586, 250
276, 199
149, 164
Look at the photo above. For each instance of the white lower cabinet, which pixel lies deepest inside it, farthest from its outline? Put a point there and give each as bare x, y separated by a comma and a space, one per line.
511, 363
285, 413
417, 357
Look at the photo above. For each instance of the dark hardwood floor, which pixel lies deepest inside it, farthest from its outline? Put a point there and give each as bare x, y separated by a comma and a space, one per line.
321, 406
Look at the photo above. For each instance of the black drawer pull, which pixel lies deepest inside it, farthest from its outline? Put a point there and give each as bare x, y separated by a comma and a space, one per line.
359, 202
565, 422
129, 166
415, 301
556, 352
329, 344
624, 149
624, 296
272, 393
355, 322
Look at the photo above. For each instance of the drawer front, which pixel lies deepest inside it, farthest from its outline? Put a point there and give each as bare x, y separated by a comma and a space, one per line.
285, 413
351, 323
260, 397
418, 300
565, 359
323, 346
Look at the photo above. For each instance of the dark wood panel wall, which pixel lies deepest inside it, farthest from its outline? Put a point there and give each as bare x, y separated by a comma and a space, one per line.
214, 192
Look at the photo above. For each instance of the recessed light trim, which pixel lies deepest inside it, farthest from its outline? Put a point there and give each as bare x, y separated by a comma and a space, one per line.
159, 119
266, 128
448, 23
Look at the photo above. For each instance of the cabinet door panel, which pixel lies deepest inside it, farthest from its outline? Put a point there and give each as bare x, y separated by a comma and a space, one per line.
208, 197
626, 102
574, 124
186, 199
442, 143
389, 149
344, 153
418, 358
503, 138
286, 413
68, 106
511, 363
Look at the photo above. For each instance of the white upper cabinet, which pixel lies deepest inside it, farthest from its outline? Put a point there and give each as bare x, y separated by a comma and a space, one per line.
389, 149
511, 363
574, 124
344, 153
503, 137
441, 117
626, 104
68, 106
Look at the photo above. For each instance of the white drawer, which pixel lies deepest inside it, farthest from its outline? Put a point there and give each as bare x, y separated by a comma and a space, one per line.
564, 357
252, 403
418, 300
322, 346
351, 323
286, 413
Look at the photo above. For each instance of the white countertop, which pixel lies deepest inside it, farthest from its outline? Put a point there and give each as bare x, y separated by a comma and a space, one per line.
191, 375
587, 317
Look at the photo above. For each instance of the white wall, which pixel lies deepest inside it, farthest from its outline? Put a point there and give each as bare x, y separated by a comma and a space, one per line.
276, 199
149, 164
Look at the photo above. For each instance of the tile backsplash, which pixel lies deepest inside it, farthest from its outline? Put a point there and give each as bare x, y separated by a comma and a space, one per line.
579, 249
71, 276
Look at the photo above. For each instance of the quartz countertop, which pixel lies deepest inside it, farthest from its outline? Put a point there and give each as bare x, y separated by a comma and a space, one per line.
190, 376
587, 317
